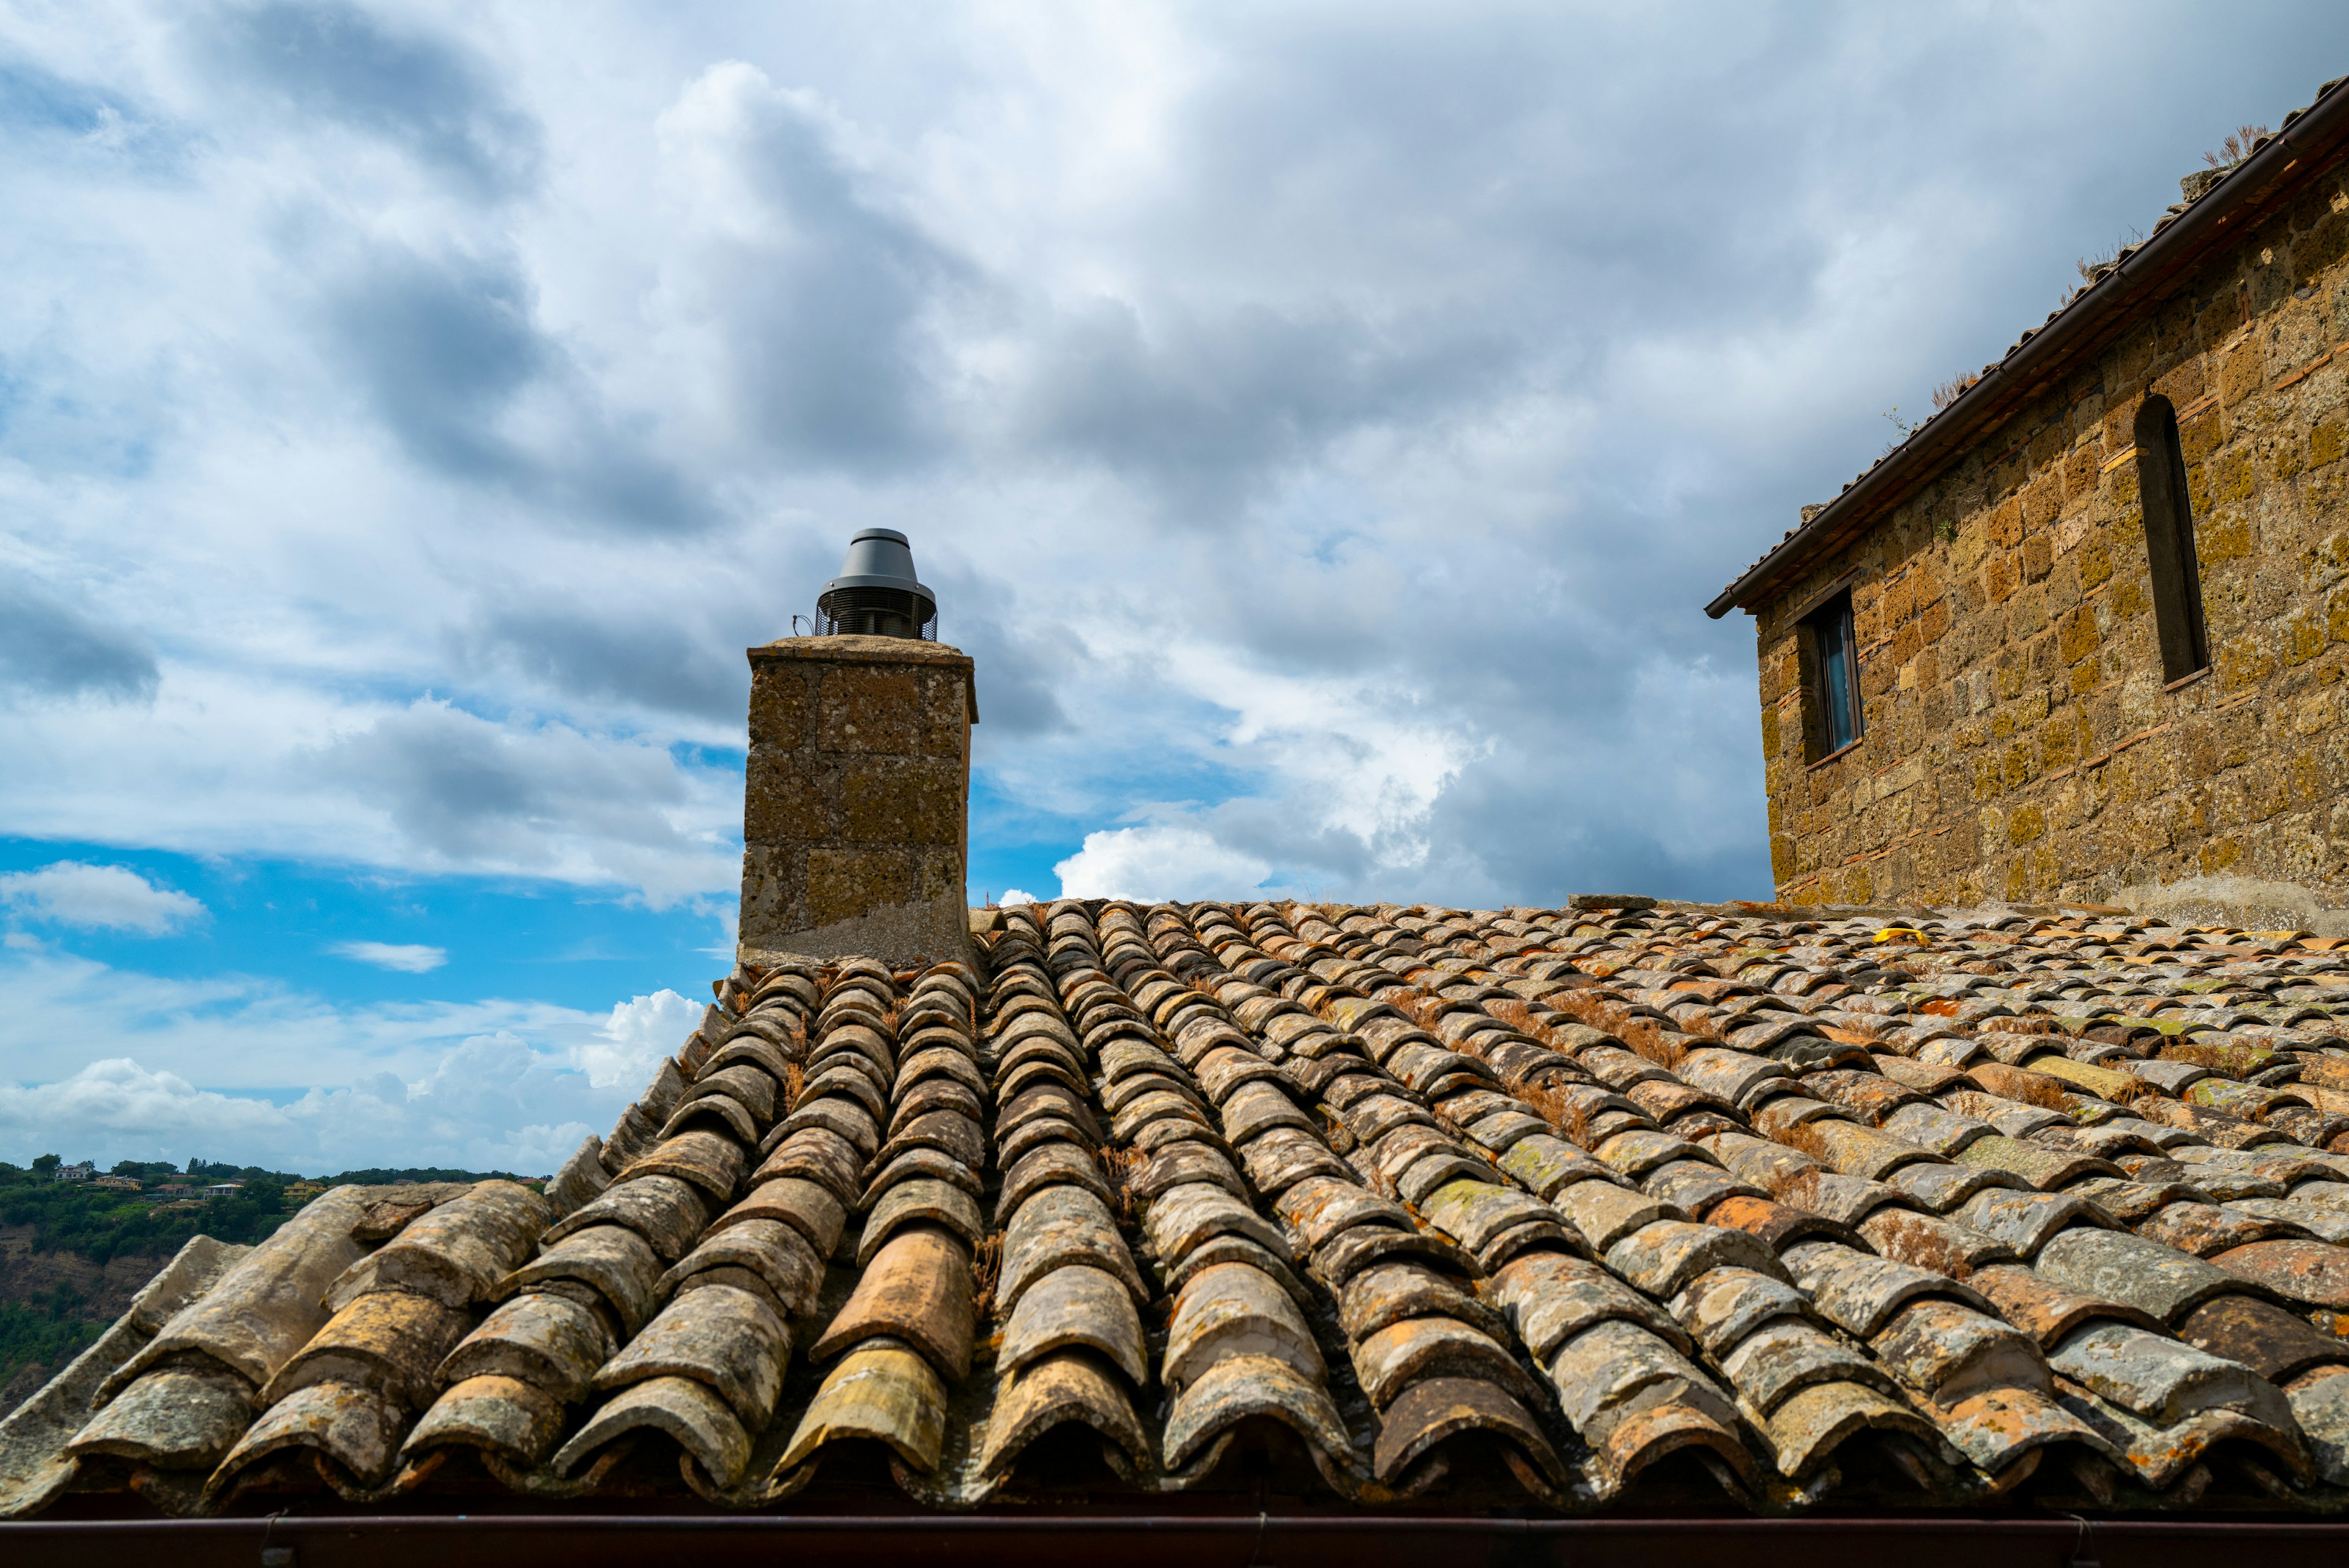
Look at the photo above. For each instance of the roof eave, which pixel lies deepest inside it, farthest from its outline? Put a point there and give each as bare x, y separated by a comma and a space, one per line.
2080, 328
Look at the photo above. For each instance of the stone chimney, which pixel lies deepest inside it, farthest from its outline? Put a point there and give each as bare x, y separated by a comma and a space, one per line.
855, 813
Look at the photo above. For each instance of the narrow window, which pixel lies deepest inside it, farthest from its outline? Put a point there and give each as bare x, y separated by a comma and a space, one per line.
2169, 542
1835, 676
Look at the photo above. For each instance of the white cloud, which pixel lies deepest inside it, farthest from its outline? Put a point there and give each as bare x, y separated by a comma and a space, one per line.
408, 957
117, 1104
490, 1104
250, 1071
396, 1088
98, 898
277, 768
627, 1049
1015, 895
1160, 860
1334, 416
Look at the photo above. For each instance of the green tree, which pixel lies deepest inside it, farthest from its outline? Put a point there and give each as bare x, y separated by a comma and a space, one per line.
48, 1331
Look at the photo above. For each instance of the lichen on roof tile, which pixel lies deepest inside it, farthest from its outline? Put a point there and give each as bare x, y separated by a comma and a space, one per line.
1371, 1196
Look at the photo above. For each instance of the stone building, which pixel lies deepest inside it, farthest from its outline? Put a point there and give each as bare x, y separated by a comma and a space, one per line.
2081, 637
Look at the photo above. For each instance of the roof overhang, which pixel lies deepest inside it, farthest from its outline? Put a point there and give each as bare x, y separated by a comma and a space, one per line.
2251, 192
1354, 1539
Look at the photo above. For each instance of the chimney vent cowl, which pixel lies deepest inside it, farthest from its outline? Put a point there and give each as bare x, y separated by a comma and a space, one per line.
876, 593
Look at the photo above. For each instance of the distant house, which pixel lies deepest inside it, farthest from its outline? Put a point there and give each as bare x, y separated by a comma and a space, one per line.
83, 1171
224, 1189
118, 1183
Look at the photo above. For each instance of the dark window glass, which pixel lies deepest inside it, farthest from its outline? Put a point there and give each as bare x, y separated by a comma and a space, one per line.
2170, 541
1835, 675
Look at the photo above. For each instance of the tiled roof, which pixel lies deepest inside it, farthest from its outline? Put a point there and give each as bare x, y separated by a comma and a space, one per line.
1555, 1211
2210, 197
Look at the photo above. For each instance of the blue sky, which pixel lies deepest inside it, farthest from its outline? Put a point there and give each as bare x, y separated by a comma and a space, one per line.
368, 938
1323, 423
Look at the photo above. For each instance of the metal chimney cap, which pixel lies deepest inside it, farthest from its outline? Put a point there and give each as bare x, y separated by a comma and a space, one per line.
879, 558
877, 591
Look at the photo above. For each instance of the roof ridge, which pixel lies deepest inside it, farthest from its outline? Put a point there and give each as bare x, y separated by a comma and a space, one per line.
2092, 301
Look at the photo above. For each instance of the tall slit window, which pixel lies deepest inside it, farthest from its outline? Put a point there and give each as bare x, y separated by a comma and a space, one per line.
2169, 542
1835, 676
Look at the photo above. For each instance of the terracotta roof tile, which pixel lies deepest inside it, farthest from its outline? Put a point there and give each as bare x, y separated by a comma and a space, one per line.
1371, 1197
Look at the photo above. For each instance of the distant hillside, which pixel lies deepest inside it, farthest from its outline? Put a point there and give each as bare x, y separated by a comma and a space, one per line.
53, 1306
72, 1254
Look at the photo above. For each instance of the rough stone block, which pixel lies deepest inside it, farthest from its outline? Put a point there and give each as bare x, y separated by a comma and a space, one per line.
2002, 578
780, 708
779, 801
842, 884
864, 712
774, 888
912, 802
947, 714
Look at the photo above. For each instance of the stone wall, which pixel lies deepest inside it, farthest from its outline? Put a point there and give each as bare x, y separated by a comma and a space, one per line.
2020, 744
854, 808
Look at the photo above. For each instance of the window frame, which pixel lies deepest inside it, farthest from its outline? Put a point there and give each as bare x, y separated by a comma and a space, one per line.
2165, 497
1826, 623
